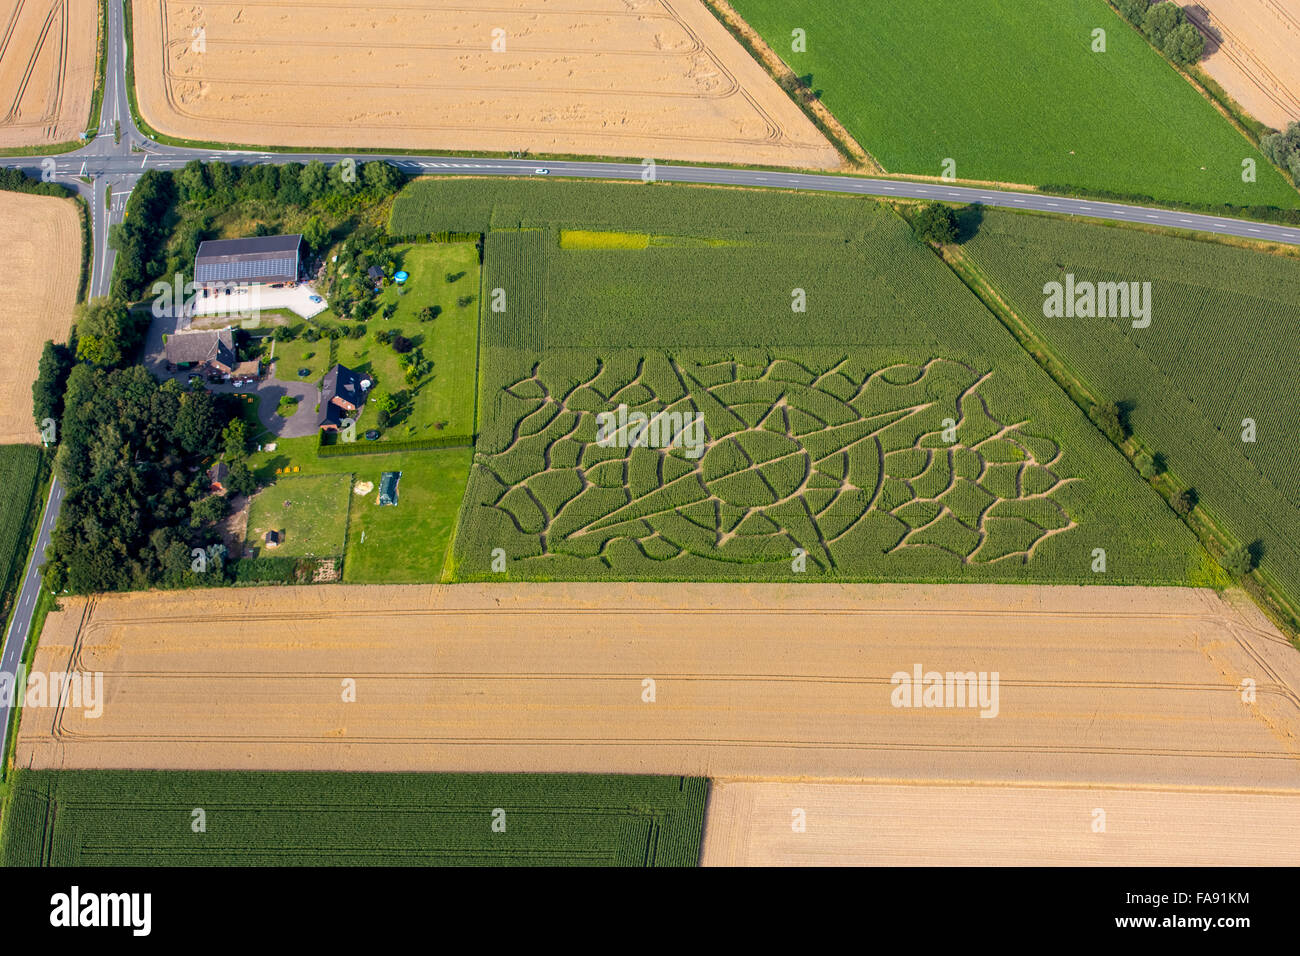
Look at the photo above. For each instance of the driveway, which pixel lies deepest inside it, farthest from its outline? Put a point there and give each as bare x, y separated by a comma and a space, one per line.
260, 298
270, 390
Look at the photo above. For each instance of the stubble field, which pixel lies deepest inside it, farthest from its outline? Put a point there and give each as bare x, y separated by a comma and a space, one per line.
883, 824
47, 70
1097, 686
1252, 53
40, 246
637, 78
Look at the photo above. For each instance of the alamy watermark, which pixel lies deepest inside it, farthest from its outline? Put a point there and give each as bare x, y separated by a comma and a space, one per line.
1098, 300
229, 300
624, 429
72, 689
946, 689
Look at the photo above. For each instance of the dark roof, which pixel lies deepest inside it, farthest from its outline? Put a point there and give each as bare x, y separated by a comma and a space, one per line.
344, 383
260, 259
388, 487
218, 472
199, 347
375, 272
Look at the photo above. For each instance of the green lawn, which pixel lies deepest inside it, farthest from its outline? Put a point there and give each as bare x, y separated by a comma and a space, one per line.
145, 818
450, 342
291, 356
403, 544
310, 512
1012, 92
445, 396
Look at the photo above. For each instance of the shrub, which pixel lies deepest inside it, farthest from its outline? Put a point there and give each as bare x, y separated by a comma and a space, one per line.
1239, 561
1107, 417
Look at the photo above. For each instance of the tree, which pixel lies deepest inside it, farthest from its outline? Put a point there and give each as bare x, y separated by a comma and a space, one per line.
1239, 561
1134, 11
382, 177
430, 312
234, 440
241, 480
935, 223
317, 235
193, 181
1185, 44
208, 511
1146, 465
1160, 21
313, 179
107, 335
1106, 416
401, 344
197, 425
1184, 502
51, 378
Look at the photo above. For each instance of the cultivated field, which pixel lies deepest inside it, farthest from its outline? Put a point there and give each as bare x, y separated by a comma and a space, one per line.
630, 78
880, 824
1045, 110
1217, 352
134, 818
47, 70
1097, 686
40, 246
1252, 53
20, 470
823, 429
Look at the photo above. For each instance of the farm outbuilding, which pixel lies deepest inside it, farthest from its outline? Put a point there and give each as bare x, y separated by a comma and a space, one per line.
260, 260
214, 351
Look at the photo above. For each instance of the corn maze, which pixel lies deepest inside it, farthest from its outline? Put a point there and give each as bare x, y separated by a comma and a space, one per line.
830, 462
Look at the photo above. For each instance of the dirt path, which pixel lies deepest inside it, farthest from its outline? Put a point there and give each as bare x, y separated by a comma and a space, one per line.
801, 824
634, 78
40, 246
1096, 685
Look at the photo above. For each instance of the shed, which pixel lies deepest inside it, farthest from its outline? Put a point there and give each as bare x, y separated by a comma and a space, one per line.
388, 487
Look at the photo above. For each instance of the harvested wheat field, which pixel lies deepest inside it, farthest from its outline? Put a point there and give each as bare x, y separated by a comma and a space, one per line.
47, 70
877, 824
634, 78
1253, 51
1096, 685
40, 246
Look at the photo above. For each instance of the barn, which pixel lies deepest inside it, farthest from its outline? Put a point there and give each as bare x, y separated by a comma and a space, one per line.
260, 260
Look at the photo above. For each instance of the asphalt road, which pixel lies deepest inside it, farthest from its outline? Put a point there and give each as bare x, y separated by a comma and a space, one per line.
116, 168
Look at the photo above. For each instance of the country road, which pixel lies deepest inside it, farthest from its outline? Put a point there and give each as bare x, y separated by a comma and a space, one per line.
115, 167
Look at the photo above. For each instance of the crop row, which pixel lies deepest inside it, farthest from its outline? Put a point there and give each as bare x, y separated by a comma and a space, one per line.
147, 817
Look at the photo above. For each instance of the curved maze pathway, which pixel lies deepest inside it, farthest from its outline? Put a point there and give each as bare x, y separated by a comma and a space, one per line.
791, 458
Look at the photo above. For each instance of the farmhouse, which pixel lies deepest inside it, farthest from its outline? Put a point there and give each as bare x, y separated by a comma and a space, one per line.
262, 260
343, 392
212, 351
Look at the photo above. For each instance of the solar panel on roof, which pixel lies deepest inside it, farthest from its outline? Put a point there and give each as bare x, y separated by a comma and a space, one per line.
243, 269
